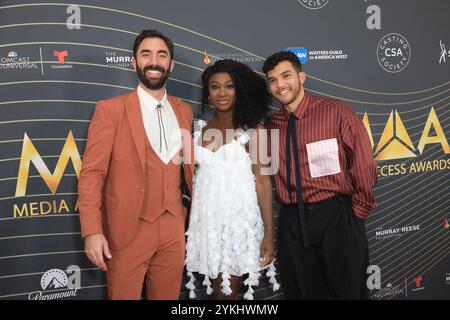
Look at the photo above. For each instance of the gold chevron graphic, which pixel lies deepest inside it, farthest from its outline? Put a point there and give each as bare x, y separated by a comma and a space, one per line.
395, 142
30, 154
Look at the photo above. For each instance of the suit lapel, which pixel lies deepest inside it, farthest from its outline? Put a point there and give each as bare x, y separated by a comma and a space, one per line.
176, 109
134, 115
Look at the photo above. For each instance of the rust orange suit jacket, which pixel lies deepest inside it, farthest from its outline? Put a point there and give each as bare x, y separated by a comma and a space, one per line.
113, 167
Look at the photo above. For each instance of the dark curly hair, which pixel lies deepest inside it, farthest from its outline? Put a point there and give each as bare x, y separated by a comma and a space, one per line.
273, 60
252, 97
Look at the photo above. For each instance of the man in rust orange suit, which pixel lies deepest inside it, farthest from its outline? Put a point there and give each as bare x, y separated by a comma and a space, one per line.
130, 201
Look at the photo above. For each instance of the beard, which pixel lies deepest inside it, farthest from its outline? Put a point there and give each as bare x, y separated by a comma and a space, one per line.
153, 84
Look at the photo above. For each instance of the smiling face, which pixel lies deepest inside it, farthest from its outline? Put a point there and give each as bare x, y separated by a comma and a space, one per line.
222, 91
286, 84
153, 63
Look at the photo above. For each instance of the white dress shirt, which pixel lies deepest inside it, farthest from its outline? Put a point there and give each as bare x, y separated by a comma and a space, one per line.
153, 126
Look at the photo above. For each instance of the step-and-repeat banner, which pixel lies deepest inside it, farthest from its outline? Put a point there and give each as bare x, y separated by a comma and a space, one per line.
389, 60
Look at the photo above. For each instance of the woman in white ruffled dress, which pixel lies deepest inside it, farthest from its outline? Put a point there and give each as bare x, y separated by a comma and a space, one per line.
230, 231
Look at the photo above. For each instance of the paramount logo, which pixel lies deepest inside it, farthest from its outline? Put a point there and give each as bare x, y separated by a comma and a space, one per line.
57, 284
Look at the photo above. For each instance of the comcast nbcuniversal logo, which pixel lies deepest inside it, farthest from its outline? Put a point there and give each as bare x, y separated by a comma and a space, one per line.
393, 52
314, 4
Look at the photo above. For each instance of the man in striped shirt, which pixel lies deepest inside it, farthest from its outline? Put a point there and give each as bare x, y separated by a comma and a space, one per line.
324, 185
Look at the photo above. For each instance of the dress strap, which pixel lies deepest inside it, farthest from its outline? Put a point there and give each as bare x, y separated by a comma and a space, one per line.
199, 124
242, 136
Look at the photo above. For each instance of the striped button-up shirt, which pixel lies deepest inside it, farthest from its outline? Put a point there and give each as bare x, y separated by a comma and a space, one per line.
335, 154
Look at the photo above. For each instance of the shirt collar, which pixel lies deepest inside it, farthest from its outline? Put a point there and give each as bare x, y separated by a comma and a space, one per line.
148, 102
301, 109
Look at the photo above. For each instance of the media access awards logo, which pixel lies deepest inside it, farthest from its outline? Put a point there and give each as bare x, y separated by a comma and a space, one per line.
395, 142
57, 284
393, 52
30, 155
314, 4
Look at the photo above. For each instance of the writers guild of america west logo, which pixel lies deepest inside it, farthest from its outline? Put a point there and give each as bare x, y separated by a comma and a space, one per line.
314, 4
393, 52
57, 284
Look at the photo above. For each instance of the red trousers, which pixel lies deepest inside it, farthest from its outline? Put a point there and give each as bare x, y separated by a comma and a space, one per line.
156, 255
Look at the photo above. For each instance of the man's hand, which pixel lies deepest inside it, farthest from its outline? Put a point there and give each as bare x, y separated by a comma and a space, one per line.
95, 246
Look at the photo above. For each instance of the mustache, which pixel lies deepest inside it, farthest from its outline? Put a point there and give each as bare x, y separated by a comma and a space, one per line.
154, 68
